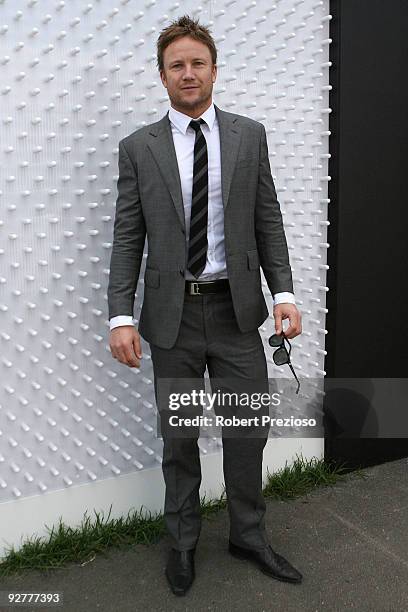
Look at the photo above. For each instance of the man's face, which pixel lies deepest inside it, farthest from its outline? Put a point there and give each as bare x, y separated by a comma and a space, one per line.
188, 75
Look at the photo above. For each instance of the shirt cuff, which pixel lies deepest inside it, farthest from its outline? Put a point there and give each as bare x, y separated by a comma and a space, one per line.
120, 320
284, 297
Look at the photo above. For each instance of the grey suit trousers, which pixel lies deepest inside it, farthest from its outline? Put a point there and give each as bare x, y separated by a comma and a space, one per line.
209, 336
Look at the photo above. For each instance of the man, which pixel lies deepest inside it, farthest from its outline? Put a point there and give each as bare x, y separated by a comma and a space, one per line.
198, 184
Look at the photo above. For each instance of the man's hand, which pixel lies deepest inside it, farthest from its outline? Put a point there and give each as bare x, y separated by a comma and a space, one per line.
287, 311
124, 343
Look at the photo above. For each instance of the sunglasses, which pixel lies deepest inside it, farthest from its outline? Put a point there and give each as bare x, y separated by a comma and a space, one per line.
282, 355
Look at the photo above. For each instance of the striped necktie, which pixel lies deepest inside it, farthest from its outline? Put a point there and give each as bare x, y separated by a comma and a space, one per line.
197, 249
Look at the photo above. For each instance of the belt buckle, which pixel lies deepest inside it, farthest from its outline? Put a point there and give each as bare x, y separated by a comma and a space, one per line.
194, 289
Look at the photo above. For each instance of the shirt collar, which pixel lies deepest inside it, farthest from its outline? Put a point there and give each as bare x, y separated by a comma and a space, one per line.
182, 121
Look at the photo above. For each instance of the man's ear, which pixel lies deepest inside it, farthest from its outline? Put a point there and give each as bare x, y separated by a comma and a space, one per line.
163, 78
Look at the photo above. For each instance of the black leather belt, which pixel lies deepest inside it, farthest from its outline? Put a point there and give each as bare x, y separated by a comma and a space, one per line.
204, 287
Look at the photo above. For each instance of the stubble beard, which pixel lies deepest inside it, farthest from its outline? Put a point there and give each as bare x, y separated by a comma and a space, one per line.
183, 103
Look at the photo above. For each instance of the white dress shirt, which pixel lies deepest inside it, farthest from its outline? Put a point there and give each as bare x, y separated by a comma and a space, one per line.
184, 139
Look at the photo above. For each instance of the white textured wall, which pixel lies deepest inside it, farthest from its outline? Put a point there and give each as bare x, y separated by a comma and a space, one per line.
75, 78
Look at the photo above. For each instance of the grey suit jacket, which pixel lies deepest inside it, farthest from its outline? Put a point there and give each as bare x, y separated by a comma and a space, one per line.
149, 203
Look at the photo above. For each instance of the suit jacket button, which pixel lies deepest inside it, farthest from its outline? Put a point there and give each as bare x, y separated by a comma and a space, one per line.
181, 272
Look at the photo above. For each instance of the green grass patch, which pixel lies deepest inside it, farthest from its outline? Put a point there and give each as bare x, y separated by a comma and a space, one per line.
303, 476
81, 544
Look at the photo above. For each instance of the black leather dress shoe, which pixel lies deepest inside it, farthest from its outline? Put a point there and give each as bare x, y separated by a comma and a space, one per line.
180, 570
269, 562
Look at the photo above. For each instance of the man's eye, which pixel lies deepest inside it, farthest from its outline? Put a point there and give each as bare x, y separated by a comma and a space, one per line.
196, 63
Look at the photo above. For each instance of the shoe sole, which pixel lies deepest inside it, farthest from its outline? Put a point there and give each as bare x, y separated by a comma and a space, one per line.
238, 555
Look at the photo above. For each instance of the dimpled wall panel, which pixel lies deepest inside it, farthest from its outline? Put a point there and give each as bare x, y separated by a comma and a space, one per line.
76, 77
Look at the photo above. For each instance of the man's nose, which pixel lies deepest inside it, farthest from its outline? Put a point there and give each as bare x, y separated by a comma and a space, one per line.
188, 73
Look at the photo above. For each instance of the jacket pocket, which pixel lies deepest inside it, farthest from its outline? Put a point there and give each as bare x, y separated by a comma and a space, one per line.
253, 259
152, 277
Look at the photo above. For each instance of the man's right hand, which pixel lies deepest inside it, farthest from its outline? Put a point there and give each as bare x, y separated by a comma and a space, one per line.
124, 343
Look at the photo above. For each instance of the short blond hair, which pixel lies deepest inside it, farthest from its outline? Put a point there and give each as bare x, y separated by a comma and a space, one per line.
184, 26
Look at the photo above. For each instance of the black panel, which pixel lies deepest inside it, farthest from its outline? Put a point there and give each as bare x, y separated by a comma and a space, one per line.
368, 257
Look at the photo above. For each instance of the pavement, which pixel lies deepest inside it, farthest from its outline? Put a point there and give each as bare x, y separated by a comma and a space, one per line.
350, 542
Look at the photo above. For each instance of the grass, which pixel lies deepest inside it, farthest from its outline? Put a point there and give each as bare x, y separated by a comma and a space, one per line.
81, 544
302, 477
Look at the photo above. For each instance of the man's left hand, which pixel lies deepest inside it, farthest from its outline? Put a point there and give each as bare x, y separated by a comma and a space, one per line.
287, 311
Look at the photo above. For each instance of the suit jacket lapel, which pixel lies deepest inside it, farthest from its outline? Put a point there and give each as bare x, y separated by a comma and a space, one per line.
162, 147
230, 137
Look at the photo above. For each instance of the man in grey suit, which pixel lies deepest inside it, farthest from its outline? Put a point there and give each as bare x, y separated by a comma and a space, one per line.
198, 184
